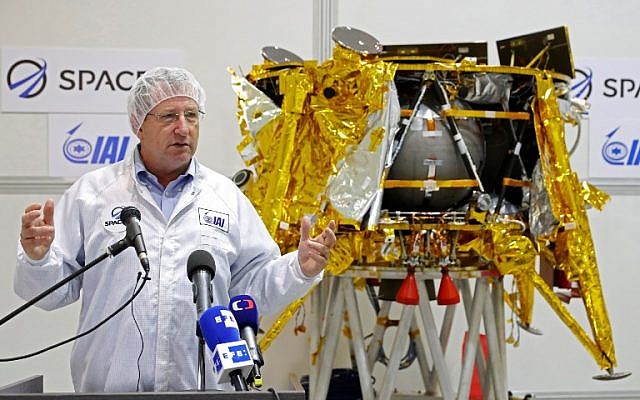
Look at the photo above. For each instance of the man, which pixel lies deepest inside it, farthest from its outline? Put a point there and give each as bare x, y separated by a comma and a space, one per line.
184, 206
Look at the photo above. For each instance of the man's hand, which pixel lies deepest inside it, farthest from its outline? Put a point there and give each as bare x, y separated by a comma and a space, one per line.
37, 232
313, 253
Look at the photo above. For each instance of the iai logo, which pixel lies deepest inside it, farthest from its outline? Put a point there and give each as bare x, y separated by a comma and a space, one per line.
105, 149
79, 143
617, 152
215, 219
27, 78
614, 151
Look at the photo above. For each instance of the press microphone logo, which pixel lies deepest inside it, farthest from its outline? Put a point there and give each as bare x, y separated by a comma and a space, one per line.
28, 78
616, 152
217, 363
582, 84
227, 318
239, 353
104, 150
243, 304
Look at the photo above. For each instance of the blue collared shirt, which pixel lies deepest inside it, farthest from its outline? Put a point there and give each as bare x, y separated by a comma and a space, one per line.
165, 198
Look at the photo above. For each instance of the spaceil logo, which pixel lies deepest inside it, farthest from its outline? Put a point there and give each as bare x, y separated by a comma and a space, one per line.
115, 217
105, 149
582, 85
27, 77
616, 152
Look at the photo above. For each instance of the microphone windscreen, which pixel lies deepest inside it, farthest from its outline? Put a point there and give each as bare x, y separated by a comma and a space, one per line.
245, 310
200, 259
218, 325
128, 212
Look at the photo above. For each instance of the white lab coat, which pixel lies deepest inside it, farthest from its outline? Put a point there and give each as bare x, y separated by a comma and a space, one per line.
212, 214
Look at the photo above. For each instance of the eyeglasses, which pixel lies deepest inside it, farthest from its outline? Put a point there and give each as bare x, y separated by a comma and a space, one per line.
192, 117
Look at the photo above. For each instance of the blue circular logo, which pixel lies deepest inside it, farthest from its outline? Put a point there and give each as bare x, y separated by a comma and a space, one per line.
77, 150
582, 85
29, 76
115, 213
614, 152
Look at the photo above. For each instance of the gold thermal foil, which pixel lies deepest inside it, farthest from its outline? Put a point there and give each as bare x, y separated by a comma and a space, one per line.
513, 254
352, 188
325, 114
525, 298
341, 258
594, 348
594, 196
256, 108
281, 321
574, 250
344, 253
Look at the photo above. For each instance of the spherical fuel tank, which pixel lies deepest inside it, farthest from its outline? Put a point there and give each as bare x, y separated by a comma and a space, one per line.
428, 151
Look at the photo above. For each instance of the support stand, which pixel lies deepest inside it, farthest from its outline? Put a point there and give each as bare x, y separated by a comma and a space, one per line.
484, 305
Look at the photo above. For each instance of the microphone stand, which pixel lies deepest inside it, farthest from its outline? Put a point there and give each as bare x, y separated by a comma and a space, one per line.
202, 383
112, 250
202, 297
239, 384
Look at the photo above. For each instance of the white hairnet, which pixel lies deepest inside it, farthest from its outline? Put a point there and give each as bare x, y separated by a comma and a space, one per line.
159, 84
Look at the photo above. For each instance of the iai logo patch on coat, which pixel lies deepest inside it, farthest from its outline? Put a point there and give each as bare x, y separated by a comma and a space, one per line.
215, 219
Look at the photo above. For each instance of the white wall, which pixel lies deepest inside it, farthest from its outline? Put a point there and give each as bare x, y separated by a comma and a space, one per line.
217, 34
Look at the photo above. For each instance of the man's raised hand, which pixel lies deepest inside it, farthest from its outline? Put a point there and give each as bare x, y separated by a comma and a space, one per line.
313, 253
37, 231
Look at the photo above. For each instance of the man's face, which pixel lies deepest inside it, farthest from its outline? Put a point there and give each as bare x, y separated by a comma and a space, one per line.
168, 143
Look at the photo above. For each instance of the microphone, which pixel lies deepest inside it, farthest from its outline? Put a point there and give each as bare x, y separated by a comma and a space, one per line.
231, 359
245, 311
130, 216
201, 268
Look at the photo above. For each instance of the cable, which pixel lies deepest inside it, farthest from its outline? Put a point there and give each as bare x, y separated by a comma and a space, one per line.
373, 297
139, 332
574, 146
144, 280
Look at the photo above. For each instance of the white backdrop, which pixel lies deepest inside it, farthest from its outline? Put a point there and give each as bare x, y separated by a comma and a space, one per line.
218, 34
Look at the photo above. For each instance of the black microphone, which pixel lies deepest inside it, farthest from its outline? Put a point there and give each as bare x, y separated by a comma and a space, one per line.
130, 216
201, 268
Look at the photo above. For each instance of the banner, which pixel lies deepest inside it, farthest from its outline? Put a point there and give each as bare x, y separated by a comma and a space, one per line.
612, 87
75, 80
79, 143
